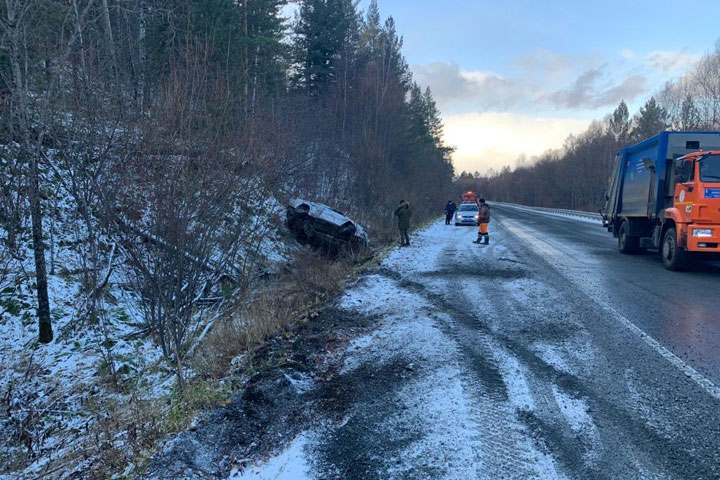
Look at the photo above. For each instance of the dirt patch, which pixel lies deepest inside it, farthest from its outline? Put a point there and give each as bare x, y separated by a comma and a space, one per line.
350, 449
294, 372
550, 330
481, 269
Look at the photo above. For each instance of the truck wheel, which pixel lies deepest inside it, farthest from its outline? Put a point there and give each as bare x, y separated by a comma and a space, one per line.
626, 243
674, 257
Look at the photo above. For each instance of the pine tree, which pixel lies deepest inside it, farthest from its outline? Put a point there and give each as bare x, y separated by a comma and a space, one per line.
320, 35
417, 131
268, 55
649, 121
689, 115
619, 124
392, 53
434, 122
243, 41
371, 28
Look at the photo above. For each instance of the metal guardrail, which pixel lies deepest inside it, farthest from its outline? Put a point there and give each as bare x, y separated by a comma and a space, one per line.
560, 211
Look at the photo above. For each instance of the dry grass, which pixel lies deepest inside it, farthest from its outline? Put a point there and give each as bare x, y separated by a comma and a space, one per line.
127, 431
312, 280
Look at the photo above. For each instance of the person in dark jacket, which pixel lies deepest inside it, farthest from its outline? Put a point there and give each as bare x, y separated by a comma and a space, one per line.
403, 213
484, 219
450, 209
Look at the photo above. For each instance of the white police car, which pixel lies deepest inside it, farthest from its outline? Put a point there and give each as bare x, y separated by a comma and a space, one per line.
467, 214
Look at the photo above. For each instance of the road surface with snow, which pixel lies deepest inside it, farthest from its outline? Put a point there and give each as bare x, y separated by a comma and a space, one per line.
545, 355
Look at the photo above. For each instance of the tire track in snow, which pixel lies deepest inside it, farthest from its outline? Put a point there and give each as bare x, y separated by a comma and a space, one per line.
489, 375
497, 382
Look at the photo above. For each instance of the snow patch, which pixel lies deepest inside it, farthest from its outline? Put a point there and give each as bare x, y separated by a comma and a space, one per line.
553, 355
450, 441
432, 241
574, 410
301, 382
292, 464
379, 295
437, 397
576, 414
542, 464
531, 292
515, 379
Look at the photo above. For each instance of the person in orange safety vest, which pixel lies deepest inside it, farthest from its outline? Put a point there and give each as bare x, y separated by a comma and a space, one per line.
483, 221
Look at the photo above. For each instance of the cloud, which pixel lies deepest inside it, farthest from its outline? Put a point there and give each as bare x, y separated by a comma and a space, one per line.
627, 54
668, 61
494, 139
545, 62
628, 89
543, 79
592, 89
546, 65
451, 85
578, 94
535, 85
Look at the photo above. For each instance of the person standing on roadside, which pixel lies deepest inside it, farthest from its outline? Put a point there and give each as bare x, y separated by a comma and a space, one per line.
450, 209
403, 213
483, 221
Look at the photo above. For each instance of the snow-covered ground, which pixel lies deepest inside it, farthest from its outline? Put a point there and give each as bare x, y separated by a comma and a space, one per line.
291, 463
66, 402
433, 412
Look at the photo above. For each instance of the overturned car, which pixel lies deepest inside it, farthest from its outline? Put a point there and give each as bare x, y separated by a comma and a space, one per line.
324, 227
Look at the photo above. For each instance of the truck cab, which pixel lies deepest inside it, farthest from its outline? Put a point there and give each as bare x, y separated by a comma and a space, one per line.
696, 204
469, 197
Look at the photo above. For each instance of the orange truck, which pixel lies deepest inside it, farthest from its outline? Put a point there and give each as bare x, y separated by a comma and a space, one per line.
664, 194
469, 197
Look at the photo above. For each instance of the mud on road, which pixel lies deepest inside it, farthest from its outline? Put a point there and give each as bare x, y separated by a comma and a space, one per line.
459, 361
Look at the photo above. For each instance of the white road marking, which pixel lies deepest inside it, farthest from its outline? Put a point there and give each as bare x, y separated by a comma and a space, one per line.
676, 361
696, 376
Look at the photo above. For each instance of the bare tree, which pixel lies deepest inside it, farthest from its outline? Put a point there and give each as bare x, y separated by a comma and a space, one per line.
15, 23
706, 87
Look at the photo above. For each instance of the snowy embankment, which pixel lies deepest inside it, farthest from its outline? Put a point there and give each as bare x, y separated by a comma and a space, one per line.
102, 384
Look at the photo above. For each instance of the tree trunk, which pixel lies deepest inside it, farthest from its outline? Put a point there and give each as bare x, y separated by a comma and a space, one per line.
43, 310
53, 217
107, 26
31, 150
246, 60
142, 54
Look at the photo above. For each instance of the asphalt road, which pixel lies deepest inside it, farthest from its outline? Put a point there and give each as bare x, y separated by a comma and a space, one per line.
681, 310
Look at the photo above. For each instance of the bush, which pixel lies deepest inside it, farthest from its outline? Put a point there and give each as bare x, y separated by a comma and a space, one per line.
270, 308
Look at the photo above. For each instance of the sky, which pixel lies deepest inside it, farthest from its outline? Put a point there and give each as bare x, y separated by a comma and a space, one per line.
517, 77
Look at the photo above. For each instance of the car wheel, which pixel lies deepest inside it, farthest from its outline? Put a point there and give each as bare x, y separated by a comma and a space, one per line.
674, 257
626, 243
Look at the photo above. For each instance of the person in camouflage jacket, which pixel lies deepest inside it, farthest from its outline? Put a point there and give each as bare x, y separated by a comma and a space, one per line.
403, 213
